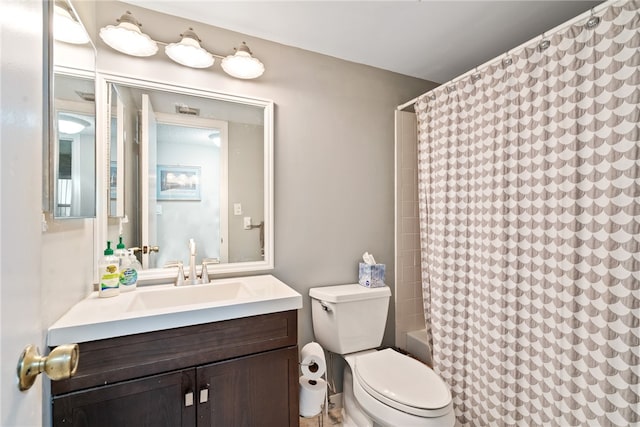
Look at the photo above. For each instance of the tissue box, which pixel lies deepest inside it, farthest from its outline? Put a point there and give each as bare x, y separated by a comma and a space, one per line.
371, 275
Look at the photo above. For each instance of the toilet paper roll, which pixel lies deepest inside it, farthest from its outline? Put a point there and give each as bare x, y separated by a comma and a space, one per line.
312, 362
312, 393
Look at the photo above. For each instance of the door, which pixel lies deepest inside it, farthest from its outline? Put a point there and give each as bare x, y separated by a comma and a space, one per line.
253, 391
164, 400
196, 145
21, 203
148, 180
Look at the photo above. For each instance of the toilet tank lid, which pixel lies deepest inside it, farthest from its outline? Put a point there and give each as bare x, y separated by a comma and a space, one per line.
342, 293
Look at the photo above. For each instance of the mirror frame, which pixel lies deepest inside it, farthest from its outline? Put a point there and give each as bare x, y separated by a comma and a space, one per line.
48, 137
167, 275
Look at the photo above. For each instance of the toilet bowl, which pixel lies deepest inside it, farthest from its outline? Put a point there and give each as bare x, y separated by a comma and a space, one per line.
380, 388
394, 390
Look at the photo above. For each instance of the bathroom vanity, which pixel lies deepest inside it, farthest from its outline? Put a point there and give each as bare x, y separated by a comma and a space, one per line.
238, 371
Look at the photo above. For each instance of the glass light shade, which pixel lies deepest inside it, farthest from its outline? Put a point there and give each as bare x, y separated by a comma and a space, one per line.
66, 28
127, 38
189, 53
71, 125
242, 65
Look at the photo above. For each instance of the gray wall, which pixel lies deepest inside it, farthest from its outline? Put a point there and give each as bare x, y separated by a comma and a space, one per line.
334, 138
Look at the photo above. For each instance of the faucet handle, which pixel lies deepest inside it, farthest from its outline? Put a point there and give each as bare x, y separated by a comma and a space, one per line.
180, 277
204, 274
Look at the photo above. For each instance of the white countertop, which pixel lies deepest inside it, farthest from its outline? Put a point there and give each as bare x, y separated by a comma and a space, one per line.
97, 318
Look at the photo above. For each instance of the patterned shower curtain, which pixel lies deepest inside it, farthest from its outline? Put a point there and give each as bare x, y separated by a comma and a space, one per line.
529, 195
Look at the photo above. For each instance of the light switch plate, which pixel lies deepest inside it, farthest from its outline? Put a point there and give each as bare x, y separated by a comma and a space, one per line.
237, 209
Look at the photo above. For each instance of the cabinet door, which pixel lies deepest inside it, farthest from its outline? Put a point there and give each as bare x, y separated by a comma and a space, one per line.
156, 401
253, 391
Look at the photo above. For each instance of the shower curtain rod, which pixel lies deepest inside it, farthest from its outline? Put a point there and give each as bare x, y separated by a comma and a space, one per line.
537, 39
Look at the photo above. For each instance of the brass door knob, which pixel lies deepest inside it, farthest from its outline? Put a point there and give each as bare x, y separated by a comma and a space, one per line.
148, 249
60, 364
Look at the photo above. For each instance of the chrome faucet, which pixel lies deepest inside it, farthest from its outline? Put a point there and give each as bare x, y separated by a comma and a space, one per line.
193, 276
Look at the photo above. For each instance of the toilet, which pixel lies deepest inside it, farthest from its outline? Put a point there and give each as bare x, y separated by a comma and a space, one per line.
380, 388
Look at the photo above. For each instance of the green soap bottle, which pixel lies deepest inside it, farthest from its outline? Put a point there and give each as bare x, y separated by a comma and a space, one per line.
121, 253
108, 274
120, 247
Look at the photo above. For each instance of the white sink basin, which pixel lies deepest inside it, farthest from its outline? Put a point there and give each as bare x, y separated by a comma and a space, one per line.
152, 308
187, 295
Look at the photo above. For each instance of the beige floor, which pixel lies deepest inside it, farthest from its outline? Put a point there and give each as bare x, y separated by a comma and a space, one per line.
333, 420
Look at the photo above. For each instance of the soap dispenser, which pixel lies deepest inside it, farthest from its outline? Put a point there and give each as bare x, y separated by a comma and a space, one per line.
108, 274
129, 272
121, 253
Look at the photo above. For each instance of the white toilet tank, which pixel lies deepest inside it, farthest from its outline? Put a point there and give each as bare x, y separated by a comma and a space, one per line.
349, 318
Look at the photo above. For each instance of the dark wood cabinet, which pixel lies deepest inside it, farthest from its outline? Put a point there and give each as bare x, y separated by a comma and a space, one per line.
256, 382
153, 401
241, 372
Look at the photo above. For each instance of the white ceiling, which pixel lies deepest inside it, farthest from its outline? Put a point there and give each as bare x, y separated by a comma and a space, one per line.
432, 40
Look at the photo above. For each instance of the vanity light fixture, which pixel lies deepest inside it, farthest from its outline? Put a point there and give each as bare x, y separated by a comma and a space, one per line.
71, 125
242, 64
188, 51
65, 27
126, 37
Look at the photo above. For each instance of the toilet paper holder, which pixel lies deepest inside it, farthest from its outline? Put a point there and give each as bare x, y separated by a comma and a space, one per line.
313, 366
313, 388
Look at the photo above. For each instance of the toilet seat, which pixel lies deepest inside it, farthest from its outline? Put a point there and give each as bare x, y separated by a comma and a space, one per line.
403, 383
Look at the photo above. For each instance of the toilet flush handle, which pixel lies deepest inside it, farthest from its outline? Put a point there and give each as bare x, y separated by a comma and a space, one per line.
326, 306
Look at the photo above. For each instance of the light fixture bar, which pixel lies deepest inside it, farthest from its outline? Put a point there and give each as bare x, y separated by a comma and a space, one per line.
128, 38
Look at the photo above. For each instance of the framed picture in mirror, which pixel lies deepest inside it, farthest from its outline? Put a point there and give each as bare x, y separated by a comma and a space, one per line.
178, 182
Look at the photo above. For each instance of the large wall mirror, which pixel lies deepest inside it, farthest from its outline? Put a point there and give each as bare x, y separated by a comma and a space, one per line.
70, 172
195, 165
